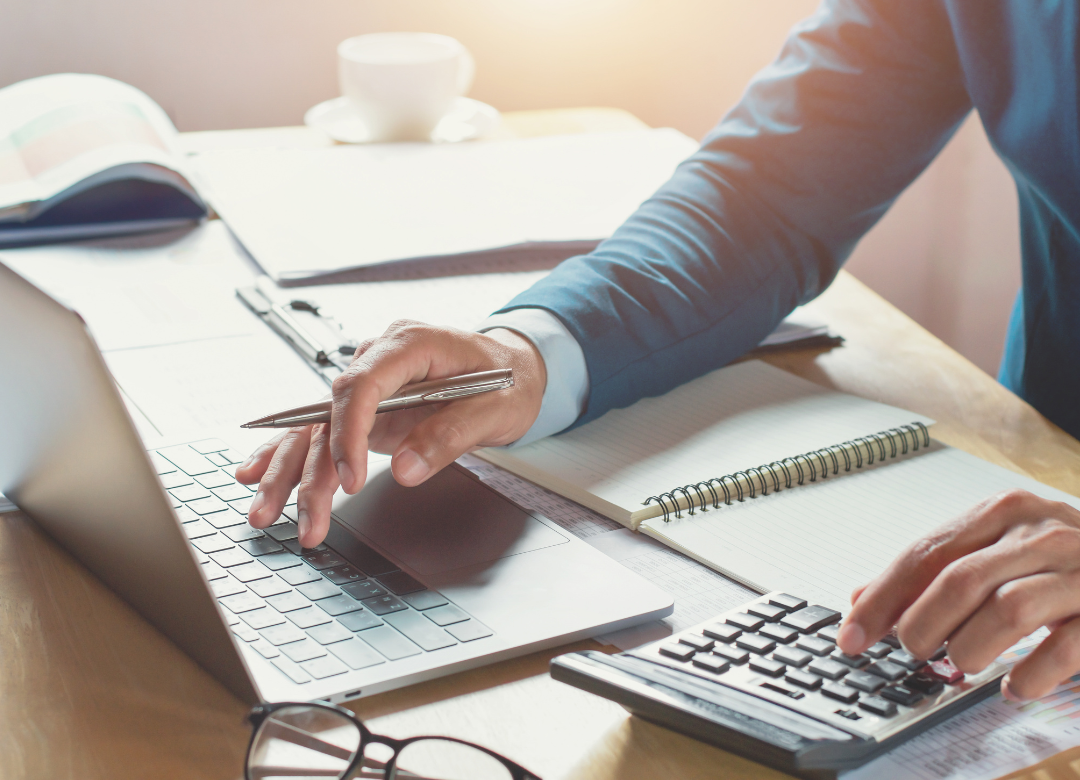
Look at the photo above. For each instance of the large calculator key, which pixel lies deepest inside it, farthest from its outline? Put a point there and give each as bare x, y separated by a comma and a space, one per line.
790, 603
854, 661
878, 706
356, 654
420, 630
906, 660
878, 650
829, 668
865, 682
811, 619
840, 692
945, 671
769, 612
723, 632
829, 632
679, 652
745, 622
901, 694
767, 666
792, 656
698, 642
389, 642
710, 663
926, 684
782, 634
887, 669
815, 645
733, 654
803, 679
755, 644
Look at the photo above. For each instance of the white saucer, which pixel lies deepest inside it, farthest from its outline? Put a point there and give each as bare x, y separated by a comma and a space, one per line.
467, 119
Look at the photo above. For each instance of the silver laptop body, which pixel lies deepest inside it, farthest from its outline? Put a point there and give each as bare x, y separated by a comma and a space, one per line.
492, 580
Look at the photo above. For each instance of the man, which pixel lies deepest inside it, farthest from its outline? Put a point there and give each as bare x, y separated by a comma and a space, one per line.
863, 96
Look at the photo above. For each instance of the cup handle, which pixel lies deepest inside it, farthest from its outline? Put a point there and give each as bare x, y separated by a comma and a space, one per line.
466, 72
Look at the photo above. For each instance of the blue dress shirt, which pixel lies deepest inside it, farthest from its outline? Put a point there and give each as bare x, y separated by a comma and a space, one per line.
862, 97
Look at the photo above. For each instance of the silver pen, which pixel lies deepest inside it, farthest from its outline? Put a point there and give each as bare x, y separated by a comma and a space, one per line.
418, 394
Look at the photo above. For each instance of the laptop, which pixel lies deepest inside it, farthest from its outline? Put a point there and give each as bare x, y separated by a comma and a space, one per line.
411, 583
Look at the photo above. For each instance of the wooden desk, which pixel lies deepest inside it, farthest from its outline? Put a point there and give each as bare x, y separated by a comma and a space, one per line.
89, 690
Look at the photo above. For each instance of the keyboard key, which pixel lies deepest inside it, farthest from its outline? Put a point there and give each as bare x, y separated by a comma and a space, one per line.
279, 561
261, 546
262, 618
768, 612
400, 583
249, 572
878, 650
241, 602
246, 633
217, 459
232, 456
469, 631
229, 558
216, 479
200, 557
214, 543
745, 622
865, 682
791, 693
161, 466
811, 619
282, 532
892, 640
767, 666
185, 515
840, 692
299, 575
359, 621
338, 605
828, 668
448, 614
926, 684
206, 446
854, 661
213, 571
242, 532
389, 643
829, 632
321, 668
815, 645
901, 694
241, 505
231, 492
207, 506
198, 529
271, 586
360, 555
265, 649
679, 652
755, 644
287, 602
782, 634
283, 634
803, 679
308, 617
790, 603
888, 670
320, 589
384, 605
174, 503
710, 663
425, 599
326, 559
878, 706
221, 520
304, 650
733, 654
356, 654
187, 460
906, 660
328, 633
945, 671
722, 632
175, 480
342, 575
792, 656
364, 590
291, 670
420, 630
696, 641
227, 587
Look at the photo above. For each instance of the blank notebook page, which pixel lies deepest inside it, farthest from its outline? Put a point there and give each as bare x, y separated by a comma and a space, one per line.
732, 419
822, 540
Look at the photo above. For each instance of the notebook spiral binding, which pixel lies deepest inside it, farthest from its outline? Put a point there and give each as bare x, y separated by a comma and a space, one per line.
756, 481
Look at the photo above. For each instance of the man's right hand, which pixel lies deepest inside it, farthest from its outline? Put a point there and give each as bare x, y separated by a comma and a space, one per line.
423, 440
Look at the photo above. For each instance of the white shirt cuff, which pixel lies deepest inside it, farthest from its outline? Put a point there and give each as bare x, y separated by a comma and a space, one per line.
567, 375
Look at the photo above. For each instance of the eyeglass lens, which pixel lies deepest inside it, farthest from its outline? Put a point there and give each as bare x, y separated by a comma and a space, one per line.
443, 759
302, 742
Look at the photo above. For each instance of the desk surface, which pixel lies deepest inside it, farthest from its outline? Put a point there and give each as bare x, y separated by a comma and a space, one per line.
88, 689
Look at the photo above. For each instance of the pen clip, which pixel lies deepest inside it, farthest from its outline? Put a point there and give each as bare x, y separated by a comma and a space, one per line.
462, 392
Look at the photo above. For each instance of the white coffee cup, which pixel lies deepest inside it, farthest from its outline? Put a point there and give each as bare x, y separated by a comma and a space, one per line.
402, 84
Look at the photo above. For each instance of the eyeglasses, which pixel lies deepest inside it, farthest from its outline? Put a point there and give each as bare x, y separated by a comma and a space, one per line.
301, 740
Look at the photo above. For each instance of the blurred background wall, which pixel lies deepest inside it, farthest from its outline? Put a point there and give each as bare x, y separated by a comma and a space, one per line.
947, 253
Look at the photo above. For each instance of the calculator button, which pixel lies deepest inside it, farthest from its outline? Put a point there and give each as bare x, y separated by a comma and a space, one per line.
945, 671
849, 714
790, 603
755, 644
887, 669
878, 706
829, 668
791, 693
710, 663
677, 651
699, 643
778, 632
723, 632
939, 653
811, 619
803, 679
733, 654
815, 645
767, 666
865, 682
829, 632
892, 640
878, 650
901, 694
926, 684
854, 661
840, 692
792, 656
769, 612
906, 660
746, 622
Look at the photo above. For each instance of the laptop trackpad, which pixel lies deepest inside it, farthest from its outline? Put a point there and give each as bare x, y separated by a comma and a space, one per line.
449, 522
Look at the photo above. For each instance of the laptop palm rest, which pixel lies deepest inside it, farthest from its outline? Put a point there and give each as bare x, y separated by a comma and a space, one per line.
450, 522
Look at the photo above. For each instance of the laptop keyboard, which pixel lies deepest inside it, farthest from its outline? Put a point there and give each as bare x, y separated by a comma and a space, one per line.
313, 613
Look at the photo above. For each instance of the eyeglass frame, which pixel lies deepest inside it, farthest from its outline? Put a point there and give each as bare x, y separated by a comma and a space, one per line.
260, 712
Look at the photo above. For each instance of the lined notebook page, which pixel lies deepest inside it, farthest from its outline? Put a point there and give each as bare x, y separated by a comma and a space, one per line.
823, 540
729, 420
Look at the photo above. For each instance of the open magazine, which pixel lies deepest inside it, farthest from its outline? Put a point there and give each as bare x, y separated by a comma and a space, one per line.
84, 156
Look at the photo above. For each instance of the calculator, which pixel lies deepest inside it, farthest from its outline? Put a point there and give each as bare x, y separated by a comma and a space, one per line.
767, 681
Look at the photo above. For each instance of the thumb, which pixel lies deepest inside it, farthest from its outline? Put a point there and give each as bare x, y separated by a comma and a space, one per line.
442, 438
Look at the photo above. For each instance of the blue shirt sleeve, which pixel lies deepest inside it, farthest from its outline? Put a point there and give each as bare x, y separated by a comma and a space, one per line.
861, 98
